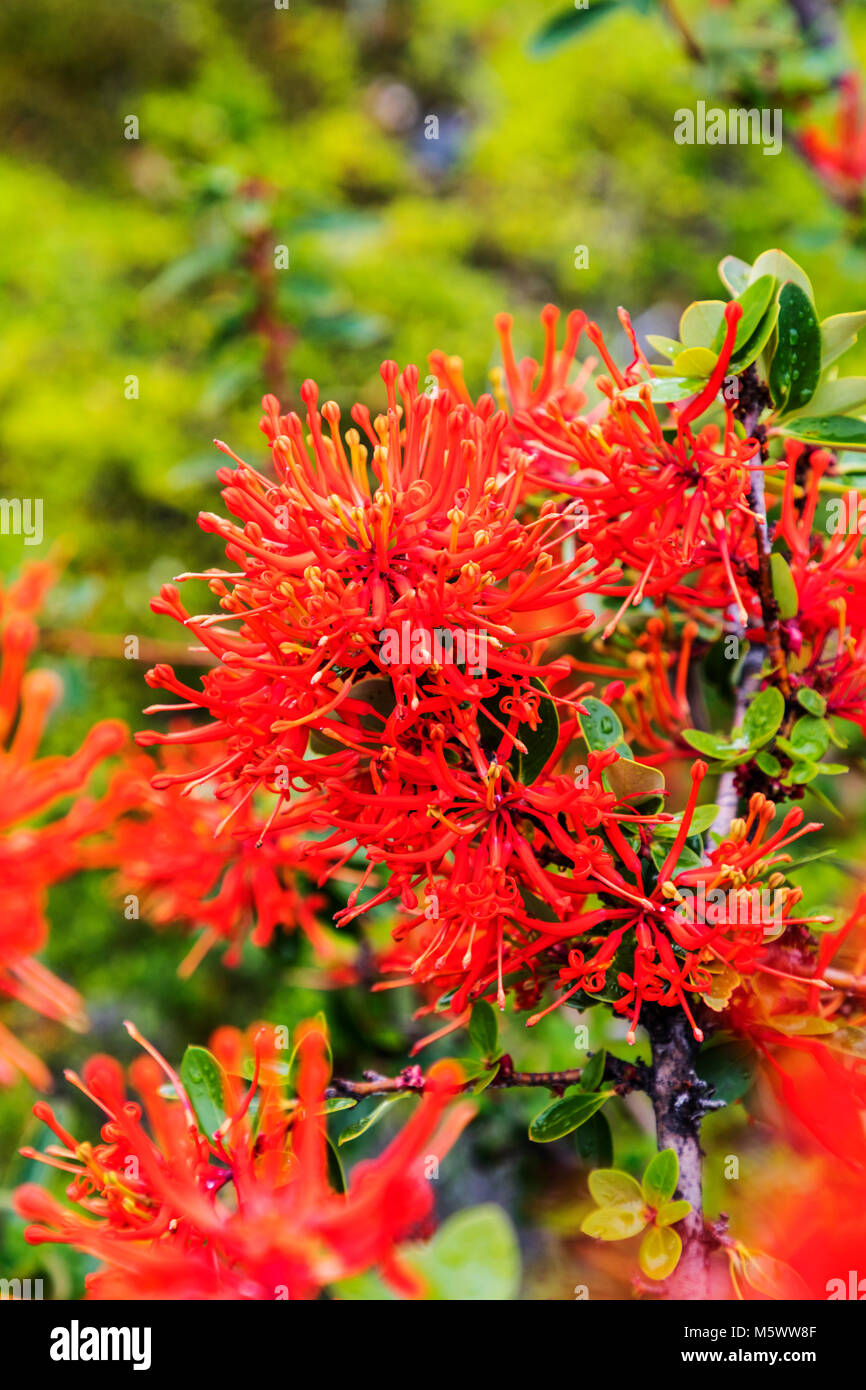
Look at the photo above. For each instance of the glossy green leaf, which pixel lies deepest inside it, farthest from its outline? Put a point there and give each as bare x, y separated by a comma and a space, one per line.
594, 1141
784, 588
354, 1131
667, 347
811, 701
565, 1114
336, 1171
763, 716
660, 1178
484, 1028
709, 744
702, 819
835, 431
204, 1081
592, 1074
810, 737
695, 362
780, 265
700, 322
664, 390
840, 396
796, 364
600, 725
734, 274
839, 333
768, 763
754, 302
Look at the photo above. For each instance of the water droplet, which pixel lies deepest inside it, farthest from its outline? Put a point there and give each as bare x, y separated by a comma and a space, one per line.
793, 335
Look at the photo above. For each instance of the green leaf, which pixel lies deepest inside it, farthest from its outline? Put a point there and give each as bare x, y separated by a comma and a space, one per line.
667, 347
659, 1252
569, 24
672, 1212
839, 333
703, 818
734, 274
372, 1117
695, 362
835, 431
699, 324
628, 778
780, 265
660, 1178
600, 726
784, 588
564, 1115
728, 1067
709, 744
840, 396
810, 737
595, 1141
811, 700
613, 1223
768, 763
743, 357
336, 1171
610, 1187
665, 390
473, 1257
593, 1073
763, 716
754, 302
204, 1081
796, 365
484, 1028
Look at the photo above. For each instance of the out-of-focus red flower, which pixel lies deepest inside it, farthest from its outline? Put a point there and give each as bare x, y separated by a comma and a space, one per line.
40, 843
194, 864
841, 159
248, 1212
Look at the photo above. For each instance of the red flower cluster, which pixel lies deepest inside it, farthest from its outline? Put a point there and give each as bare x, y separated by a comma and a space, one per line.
671, 507
189, 863
34, 856
249, 1211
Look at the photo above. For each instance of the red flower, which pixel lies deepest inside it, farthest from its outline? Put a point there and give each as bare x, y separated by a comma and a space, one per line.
32, 857
841, 161
195, 864
249, 1211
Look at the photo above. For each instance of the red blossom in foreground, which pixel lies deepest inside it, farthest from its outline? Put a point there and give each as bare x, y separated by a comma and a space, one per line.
35, 856
248, 1212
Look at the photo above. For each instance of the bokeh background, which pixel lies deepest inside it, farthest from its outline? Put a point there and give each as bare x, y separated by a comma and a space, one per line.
153, 257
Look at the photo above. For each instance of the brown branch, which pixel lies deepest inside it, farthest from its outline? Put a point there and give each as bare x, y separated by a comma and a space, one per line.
624, 1076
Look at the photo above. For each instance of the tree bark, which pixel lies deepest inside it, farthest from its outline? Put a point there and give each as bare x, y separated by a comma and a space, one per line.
678, 1099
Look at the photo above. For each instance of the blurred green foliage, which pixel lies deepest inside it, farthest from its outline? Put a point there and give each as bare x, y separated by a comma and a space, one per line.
148, 258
